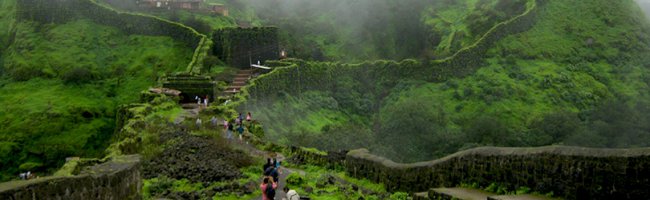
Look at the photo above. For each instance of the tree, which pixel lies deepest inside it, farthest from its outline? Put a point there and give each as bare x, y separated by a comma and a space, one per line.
554, 127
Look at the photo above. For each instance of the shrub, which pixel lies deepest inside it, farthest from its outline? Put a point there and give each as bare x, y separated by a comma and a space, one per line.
78, 75
23, 72
29, 166
295, 179
399, 196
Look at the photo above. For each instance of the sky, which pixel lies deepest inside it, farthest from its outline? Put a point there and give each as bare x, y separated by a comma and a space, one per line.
645, 5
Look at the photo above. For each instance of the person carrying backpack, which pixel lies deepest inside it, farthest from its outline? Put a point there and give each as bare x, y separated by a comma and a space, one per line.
268, 187
267, 165
291, 194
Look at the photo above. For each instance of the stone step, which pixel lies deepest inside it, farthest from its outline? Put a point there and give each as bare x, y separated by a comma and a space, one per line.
231, 91
239, 79
236, 87
459, 193
520, 197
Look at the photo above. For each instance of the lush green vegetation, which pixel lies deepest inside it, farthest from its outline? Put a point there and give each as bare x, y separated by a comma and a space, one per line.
61, 85
577, 77
363, 30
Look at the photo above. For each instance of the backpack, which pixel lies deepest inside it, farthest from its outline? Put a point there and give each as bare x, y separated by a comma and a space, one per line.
270, 192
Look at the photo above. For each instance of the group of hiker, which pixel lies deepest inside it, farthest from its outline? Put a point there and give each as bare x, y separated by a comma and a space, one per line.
27, 175
269, 184
229, 126
202, 101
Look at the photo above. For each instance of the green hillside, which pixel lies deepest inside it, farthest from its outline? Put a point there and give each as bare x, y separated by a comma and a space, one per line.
579, 76
61, 85
354, 31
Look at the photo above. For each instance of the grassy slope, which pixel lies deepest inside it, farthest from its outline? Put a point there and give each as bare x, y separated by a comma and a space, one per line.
518, 90
561, 74
551, 68
45, 119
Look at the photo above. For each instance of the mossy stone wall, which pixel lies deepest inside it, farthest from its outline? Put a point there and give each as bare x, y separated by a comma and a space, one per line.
191, 86
296, 76
568, 172
117, 179
240, 46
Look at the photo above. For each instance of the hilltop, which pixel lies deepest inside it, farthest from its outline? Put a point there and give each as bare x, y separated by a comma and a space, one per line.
577, 76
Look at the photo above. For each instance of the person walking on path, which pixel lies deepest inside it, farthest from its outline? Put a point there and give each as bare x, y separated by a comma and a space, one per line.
268, 187
229, 132
273, 173
267, 165
249, 117
198, 123
214, 121
240, 130
290, 194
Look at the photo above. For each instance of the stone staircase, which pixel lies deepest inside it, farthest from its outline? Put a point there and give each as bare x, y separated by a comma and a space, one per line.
240, 80
471, 194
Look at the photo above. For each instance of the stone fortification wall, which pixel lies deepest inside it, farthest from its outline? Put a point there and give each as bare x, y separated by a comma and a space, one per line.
240, 46
296, 76
569, 172
116, 179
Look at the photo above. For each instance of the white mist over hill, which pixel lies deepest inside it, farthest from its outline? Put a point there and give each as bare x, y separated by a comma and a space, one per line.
645, 6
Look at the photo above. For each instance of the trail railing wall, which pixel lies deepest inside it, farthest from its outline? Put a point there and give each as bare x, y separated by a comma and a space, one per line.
116, 179
60, 11
568, 172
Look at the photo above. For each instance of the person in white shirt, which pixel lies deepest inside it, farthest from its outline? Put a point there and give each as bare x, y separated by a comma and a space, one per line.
290, 194
198, 123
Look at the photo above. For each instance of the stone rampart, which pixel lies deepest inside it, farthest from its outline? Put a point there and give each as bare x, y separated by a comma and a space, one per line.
568, 172
116, 179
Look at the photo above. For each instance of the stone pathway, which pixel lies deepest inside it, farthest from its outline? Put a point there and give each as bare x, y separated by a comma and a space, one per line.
462, 193
279, 193
474, 194
190, 111
519, 197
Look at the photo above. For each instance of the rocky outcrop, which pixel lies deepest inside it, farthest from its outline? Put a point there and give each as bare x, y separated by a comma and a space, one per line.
115, 179
198, 159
